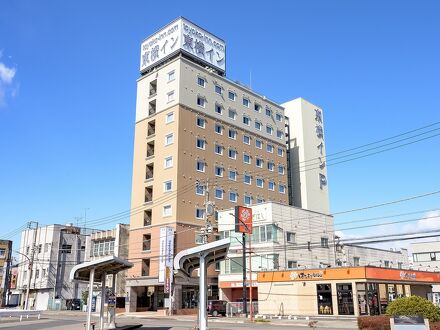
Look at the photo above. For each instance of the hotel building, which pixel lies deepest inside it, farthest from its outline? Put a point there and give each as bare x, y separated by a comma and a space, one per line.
199, 137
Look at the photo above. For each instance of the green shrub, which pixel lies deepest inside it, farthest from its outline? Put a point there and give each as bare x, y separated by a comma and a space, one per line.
374, 322
412, 306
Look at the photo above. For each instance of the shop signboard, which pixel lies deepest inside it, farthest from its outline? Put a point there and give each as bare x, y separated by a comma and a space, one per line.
243, 220
166, 243
111, 300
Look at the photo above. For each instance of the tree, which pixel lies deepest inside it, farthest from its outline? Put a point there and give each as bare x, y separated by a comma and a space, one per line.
412, 306
85, 297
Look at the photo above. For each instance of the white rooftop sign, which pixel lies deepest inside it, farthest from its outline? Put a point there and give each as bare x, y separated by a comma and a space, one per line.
182, 35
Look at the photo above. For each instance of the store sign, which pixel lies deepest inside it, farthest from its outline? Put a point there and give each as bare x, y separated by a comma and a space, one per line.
408, 275
319, 130
182, 35
306, 275
236, 284
243, 220
166, 248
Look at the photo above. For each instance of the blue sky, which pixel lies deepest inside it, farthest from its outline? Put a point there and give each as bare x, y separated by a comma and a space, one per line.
68, 74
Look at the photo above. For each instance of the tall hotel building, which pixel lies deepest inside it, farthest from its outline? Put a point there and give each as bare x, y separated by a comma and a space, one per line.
198, 137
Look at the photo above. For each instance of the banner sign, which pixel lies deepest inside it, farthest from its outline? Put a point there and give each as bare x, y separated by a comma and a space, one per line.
243, 220
166, 257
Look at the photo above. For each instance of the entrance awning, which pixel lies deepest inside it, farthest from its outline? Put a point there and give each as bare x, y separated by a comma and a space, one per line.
104, 266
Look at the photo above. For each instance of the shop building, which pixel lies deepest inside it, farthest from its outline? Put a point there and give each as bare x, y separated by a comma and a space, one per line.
351, 291
426, 256
196, 132
5, 266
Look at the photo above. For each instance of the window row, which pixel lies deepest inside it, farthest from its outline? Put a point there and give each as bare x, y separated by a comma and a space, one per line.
232, 153
246, 120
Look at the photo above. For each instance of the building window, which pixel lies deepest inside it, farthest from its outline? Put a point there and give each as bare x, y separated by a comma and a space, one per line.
269, 130
168, 186
218, 128
267, 233
167, 211
324, 242
356, 261
258, 144
37, 273
246, 158
201, 101
270, 166
170, 96
259, 182
218, 89
218, 171
290, 237
281, 189
233, 197
219, 193
200, 143
232, 134
232, 153
169, 118
279, 134
258, 125
232, 96
232, 175
386, 264
232, 114
46, 247
246, 102
218, 149
247, 179
259, 162
168, 162
247, 200
292, 264
169, 139
218, 109
200, 213
278, 117
146, 242
280, 169
201, 82
147, 217
280, 152
257, 107
246, 120
269, 148
66, 248
200, 189
260, 200
200, 166
201, 122
171, 75
145, 267
271, 185
324, 296
268, 112
246, 139
400, 265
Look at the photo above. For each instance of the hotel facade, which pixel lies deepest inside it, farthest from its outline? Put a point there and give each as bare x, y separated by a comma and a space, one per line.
201, 141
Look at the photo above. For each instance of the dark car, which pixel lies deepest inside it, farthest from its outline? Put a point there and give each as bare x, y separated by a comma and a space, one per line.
217, 307
73, 304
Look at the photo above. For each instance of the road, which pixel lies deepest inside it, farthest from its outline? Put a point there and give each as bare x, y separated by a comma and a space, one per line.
75, 321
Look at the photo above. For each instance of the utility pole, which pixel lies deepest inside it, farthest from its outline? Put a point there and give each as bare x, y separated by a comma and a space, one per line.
31, 261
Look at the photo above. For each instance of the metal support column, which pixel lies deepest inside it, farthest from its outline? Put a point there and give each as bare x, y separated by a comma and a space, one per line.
203, 293
112, 310
101, 309
244, 276
89, 303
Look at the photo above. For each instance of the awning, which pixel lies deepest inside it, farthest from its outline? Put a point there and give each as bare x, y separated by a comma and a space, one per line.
107, 265
187, 260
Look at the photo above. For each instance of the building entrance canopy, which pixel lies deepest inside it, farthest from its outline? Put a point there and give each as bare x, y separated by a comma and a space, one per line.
96, 271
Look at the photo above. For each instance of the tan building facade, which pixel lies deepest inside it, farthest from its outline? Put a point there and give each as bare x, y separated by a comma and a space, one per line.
5, 264
198, 137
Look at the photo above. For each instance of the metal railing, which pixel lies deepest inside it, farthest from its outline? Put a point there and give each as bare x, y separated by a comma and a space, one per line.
236, 308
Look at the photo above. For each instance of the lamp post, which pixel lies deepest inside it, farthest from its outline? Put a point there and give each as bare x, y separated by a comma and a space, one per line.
26, 302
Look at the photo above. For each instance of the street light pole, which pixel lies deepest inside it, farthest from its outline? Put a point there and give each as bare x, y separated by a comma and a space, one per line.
244, 275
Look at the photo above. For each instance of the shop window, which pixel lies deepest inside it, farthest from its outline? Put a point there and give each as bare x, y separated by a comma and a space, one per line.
373, 301
324, 295
356, 261
345, 299
362, 298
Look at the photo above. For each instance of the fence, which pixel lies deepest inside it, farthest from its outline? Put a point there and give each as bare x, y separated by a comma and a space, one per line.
236, 308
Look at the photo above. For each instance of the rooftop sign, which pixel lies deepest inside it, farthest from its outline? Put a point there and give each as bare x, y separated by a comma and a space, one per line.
182, 35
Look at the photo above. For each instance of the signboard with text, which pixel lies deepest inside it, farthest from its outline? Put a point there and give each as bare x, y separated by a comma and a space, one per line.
243, 220
166, 247
182, 35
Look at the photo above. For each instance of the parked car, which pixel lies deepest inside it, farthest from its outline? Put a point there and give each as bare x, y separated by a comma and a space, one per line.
73, 304
217, 307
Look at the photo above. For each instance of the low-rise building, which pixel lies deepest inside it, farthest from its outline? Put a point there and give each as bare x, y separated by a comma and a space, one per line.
426, 256
5, 263
55, 249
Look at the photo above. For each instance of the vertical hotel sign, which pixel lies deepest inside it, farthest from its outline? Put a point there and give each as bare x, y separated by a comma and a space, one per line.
166, 257
320, 135
182, 35
243, 220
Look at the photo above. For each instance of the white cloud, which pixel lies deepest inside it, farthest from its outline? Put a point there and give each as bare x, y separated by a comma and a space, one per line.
6, 74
